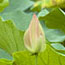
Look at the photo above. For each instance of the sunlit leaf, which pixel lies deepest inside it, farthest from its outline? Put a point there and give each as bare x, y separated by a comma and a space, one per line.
11, 39
3, 4
49, 57
5, 62
52, 3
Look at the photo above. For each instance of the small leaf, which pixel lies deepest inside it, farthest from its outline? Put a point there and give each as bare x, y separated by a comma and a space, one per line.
3, 4
58, 46
36, 6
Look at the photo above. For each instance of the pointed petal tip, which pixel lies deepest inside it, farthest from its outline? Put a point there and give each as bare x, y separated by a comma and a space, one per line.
34, 15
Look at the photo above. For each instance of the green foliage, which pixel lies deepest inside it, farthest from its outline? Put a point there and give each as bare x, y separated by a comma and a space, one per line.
20, 18
58, 46
48, 57
3, 4
15, 13
5, 62
55, 19
18, 5
53, 3
53, 35
15, 19
11, 39
4, 54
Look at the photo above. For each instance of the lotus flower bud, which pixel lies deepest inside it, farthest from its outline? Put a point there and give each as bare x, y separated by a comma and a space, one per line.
34, 38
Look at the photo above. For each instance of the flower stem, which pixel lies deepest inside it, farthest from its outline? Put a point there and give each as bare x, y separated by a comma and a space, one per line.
36, 58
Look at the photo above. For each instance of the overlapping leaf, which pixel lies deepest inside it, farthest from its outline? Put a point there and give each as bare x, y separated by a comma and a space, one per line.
53, 35
20, 18
15, 13
44, 58
5, 55
18, 5
55, 19
49, 57
11, 39
58, 46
